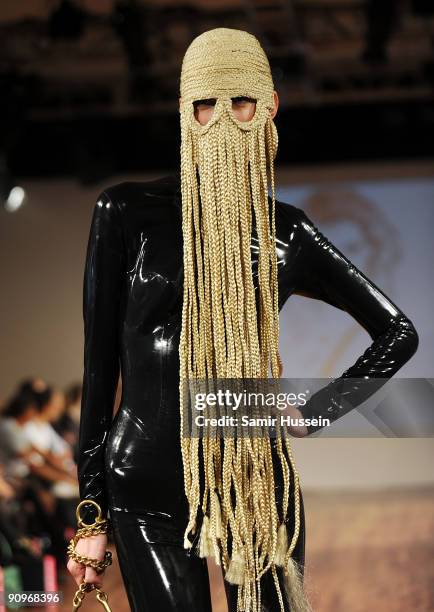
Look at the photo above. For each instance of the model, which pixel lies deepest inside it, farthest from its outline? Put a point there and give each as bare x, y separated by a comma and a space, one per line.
185, 277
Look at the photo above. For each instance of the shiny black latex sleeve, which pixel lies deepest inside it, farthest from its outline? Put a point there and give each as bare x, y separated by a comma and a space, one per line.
326, 274
101, 297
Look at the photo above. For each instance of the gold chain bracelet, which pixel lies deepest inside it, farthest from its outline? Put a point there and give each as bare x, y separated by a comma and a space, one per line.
100, 525
96, 564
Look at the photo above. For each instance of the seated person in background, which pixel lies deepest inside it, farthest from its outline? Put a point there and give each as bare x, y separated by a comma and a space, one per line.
7, 492
41, 434
33, 479
21, 456
67, 426
19, 542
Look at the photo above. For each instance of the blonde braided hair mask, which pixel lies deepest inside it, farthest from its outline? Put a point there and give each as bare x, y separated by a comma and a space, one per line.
226, 168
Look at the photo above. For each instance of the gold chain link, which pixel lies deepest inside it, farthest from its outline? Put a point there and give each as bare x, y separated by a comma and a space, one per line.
84, 588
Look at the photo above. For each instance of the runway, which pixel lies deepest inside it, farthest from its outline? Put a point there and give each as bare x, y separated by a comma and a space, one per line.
364, 551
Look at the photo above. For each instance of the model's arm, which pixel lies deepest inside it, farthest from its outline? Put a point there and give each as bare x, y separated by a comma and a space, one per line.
101, 298
326, 274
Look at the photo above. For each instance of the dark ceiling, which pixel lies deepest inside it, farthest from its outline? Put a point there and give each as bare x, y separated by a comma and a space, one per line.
90, 87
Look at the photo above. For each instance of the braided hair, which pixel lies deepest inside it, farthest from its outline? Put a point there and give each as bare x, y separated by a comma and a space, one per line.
227, 330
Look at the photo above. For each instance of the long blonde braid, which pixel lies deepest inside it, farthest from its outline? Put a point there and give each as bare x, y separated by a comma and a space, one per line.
228, 331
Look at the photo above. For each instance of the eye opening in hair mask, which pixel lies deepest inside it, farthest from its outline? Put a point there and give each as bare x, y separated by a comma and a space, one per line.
217, 107
242, 108
204, 110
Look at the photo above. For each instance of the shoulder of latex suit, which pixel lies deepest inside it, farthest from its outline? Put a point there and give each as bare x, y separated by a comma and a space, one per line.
130, 191
168, 188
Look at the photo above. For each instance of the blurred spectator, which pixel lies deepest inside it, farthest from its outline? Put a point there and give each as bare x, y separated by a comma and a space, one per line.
40, 432
16, 453
38, 464
29, 445
7, 492
69, 422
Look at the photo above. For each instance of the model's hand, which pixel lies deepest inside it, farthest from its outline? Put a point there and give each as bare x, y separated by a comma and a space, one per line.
94, 547
298, 431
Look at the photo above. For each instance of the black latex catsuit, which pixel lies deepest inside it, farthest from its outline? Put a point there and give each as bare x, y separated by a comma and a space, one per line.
132, 465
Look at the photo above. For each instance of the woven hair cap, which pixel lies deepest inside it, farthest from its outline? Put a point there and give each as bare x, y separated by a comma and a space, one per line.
226, 63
